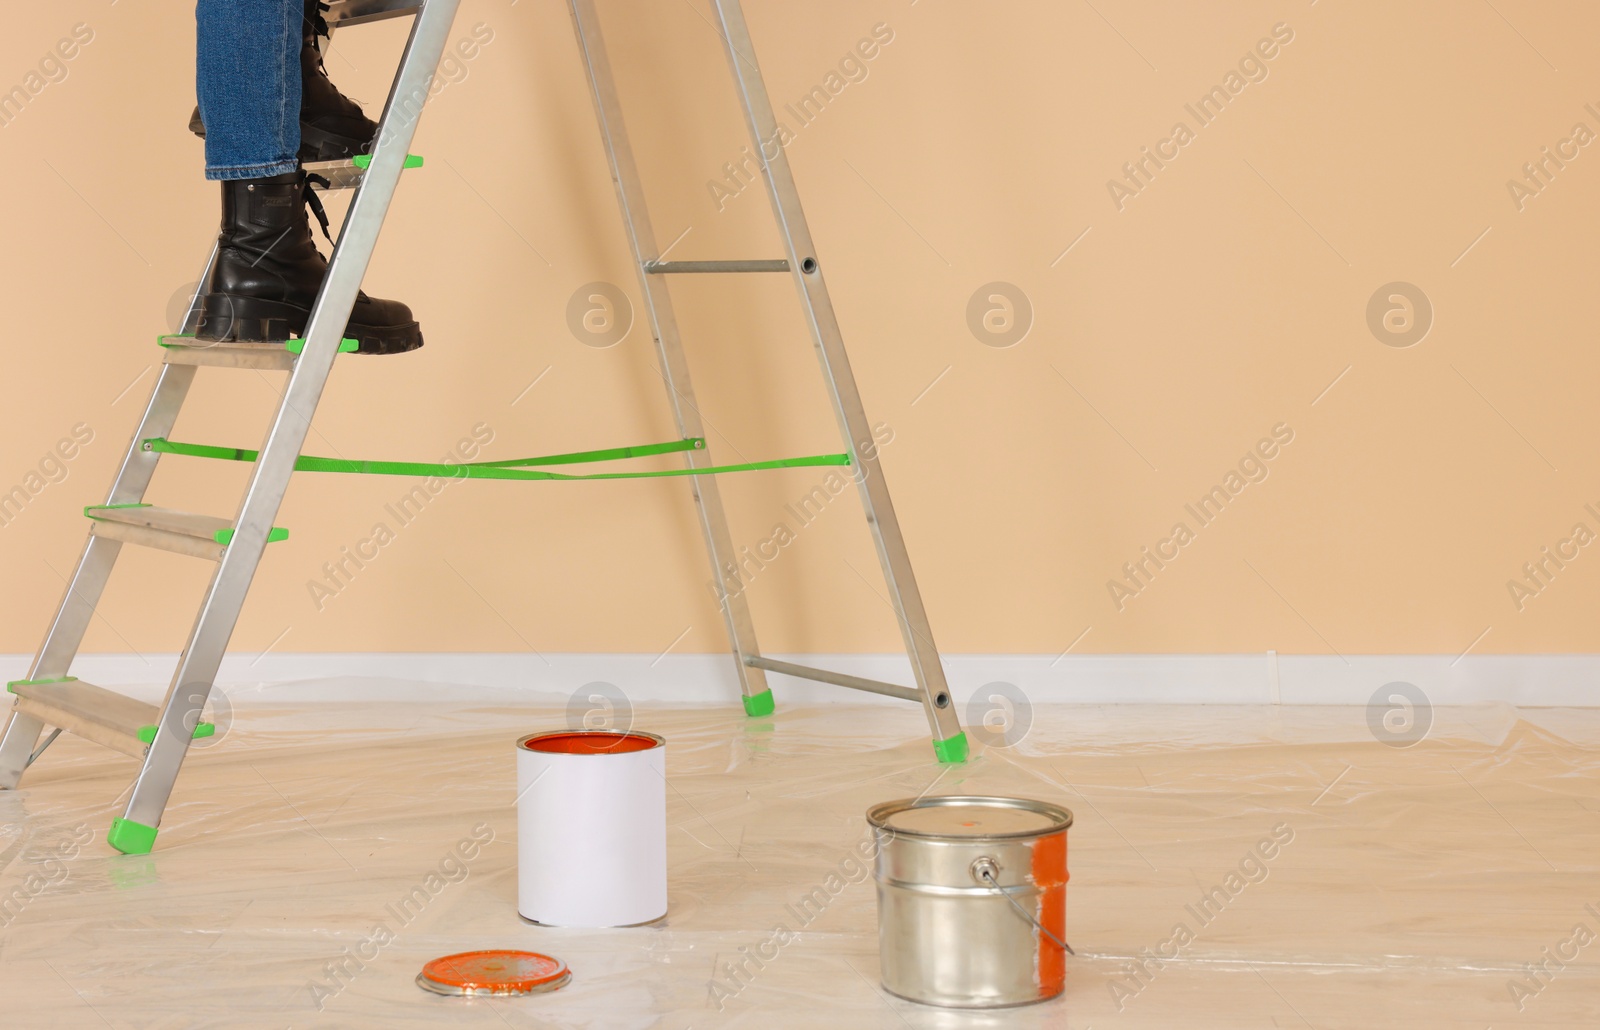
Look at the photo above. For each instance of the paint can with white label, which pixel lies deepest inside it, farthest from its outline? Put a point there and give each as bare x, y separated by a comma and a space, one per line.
591, 828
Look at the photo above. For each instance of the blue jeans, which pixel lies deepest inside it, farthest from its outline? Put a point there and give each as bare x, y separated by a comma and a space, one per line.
248, 80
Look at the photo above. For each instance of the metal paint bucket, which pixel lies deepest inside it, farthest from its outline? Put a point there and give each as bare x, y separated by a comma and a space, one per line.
972, 899
591, 828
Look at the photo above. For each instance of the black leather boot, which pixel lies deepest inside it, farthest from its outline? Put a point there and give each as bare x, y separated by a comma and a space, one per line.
268, 271
332, 126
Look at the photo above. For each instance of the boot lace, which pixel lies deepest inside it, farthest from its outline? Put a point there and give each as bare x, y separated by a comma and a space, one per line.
319, 32
312, 201
319, 24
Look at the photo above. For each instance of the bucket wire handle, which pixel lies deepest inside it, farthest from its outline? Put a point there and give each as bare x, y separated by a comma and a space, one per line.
983, 871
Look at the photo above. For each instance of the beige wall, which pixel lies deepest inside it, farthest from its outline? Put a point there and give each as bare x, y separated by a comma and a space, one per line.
1217, 303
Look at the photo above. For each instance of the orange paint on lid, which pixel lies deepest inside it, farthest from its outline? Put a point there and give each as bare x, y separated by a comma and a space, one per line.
494, 973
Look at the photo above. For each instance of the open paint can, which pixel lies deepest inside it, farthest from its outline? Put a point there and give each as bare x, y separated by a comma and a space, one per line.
972, 899
591, 828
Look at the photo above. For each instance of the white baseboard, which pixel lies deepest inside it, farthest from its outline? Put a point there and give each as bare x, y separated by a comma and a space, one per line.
1225, 679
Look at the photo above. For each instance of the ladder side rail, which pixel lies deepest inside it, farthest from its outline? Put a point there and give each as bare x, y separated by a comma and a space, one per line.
669, 348
807, 272
16, 747
191, 317
83, 591
88, 580
133, 477
219, 612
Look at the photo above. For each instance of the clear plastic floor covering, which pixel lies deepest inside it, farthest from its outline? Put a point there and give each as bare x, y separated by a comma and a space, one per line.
315, 858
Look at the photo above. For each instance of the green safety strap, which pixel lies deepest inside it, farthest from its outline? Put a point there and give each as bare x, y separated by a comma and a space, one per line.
693, 443
511, 469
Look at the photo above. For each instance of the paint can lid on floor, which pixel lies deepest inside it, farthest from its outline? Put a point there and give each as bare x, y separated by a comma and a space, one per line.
482, 973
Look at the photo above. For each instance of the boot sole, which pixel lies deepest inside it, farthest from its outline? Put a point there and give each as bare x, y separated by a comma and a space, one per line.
225, 318
316, 145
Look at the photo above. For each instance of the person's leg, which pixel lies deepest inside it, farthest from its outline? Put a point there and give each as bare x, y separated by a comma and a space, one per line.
332, 127
248, 81
268, 271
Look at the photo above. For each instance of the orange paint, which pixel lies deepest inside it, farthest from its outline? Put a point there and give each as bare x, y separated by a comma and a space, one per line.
596, 743
495, 972
1050, 877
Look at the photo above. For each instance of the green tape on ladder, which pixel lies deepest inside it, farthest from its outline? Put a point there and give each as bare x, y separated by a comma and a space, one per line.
12, 686
296, 344
364, 161
201, 729
225, 536
513, 469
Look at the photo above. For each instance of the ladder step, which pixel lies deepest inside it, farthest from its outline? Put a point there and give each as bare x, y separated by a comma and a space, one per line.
186, 350
202, 536
347, 175
667, 267
342, 13
272, 357
104, 716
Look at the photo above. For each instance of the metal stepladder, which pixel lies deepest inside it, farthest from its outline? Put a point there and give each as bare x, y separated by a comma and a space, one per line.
160, 735
800, 261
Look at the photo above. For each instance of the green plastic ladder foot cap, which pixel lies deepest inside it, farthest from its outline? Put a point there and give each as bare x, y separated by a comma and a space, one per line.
952, 750
759, 705
204, 729
131, 838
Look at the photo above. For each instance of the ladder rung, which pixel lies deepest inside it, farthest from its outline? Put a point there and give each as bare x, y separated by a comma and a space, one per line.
838, 679
341, 13
202, 536
666, 267
341, 175
279, 357
347, 175
186, 350
104, 716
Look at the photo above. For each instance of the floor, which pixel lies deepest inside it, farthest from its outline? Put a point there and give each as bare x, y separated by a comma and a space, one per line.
1413, 886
